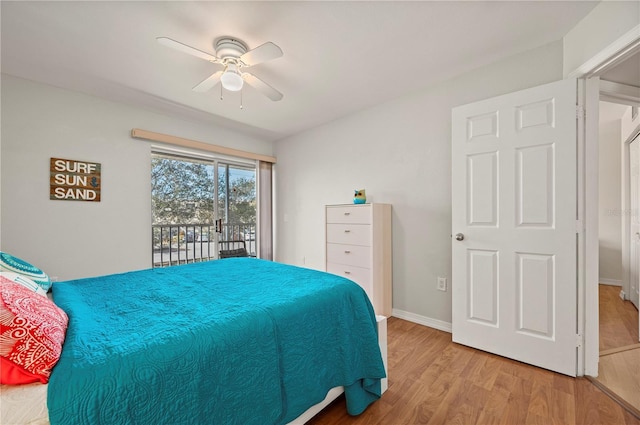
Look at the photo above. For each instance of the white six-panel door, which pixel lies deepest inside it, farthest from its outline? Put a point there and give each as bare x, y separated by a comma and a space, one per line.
514, 225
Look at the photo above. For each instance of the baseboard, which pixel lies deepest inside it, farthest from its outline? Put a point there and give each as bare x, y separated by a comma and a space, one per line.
611, 282
422, 320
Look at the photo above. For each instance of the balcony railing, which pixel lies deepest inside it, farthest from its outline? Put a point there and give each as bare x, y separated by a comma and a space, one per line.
188, 243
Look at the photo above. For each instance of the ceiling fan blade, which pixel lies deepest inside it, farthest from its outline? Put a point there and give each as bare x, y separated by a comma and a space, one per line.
261, 86
262, 53
187, 49
208, 82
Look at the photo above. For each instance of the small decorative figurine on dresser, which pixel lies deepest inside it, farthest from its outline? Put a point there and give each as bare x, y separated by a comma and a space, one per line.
359, 197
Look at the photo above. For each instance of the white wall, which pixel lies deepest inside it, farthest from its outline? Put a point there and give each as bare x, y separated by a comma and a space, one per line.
610, 189
400, 153
78, 239
629, 127
606, 23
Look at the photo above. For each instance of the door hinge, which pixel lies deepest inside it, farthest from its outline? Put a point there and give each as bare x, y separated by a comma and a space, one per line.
579, 340
580, 112
579, 227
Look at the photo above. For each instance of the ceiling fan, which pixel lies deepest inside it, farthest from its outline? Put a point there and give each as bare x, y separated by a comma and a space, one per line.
234, 55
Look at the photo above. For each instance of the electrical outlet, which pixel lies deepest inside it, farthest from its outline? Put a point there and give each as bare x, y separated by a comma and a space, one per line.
442, 283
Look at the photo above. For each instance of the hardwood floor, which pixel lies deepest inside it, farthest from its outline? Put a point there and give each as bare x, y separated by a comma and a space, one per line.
619, 375
618, 319
619, 367
434, 381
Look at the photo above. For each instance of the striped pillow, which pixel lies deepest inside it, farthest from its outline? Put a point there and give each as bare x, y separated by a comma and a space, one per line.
22, 280
9, 263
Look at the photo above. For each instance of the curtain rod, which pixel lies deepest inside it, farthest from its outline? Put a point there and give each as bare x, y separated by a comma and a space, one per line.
137, 133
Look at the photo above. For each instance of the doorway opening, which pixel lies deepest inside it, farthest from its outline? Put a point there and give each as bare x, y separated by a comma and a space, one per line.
619, 250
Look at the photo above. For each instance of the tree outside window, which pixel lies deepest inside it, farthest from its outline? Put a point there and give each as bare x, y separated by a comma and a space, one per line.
182, 193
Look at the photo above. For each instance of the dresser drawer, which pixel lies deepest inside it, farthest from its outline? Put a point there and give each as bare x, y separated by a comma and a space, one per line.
358, 247
353, 255
349, 234
349, 214
359, 275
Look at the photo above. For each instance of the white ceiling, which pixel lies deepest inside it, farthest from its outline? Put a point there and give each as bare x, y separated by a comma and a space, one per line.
627, 72
339, 57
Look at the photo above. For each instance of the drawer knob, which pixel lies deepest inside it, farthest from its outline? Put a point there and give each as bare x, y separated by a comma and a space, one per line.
346, 251
347, 231
347, 213
346, 272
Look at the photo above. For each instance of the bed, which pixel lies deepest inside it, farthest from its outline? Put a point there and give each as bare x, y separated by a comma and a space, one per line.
239, 340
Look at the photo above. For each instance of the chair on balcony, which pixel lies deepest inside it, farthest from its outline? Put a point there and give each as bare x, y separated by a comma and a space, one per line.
234, 248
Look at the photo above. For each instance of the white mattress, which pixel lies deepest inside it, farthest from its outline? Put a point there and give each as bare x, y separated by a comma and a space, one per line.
23, 404
27, 405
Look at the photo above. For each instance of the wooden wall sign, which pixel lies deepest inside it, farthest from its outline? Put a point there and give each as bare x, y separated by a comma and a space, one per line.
74, 180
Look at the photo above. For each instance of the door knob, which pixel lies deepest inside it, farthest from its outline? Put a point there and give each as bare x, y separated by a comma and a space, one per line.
459, 236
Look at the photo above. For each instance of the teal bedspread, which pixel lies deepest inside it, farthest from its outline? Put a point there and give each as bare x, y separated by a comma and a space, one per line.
234, 341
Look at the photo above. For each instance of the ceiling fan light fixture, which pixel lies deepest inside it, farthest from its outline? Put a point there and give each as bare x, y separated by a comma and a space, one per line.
233, 55
231, 79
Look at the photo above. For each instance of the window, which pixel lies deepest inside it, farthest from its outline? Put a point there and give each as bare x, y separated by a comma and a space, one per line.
197, 205
237, 205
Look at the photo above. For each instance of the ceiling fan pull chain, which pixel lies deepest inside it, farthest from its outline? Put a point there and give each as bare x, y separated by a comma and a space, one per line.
221, 97
241, 98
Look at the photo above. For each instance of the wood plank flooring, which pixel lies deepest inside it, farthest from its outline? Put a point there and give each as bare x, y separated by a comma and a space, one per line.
619, 367
619, 374
618, 319
434, 381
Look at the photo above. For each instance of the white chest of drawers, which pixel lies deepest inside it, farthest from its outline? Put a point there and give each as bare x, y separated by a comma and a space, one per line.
358, 247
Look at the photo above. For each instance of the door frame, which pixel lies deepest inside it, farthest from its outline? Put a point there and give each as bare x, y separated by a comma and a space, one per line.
588, 253
626, 206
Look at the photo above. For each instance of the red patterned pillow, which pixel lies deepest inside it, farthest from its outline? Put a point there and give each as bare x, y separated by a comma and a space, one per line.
32, 329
